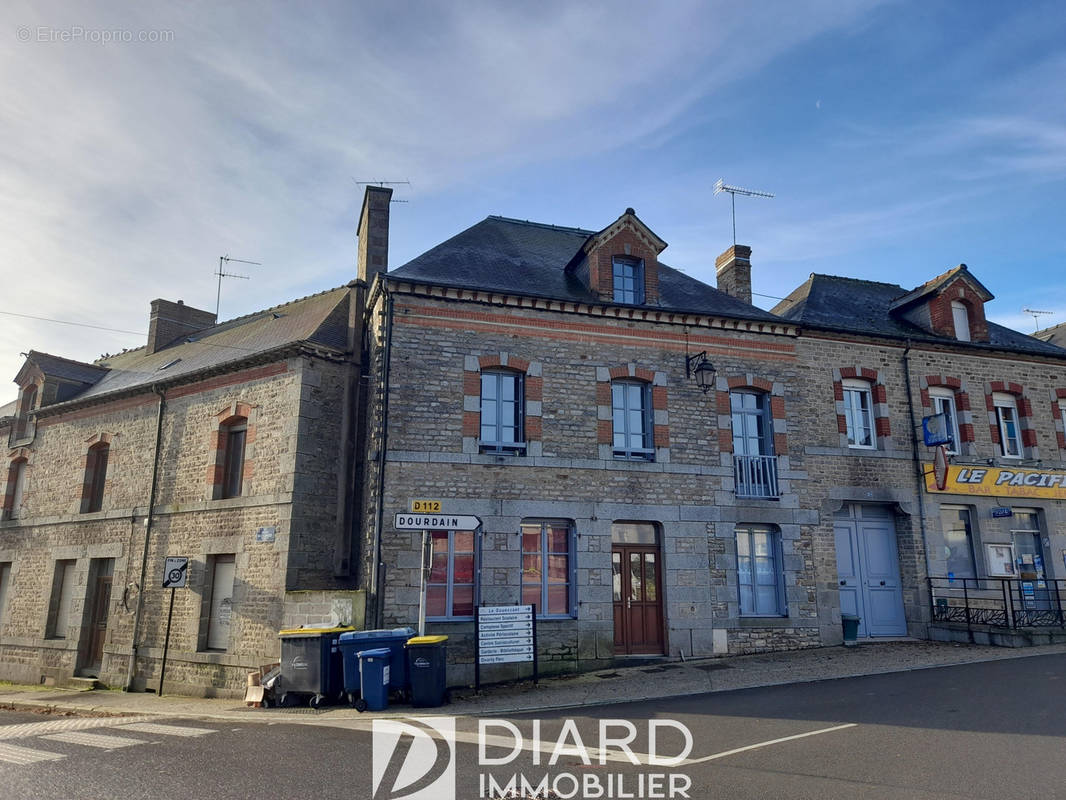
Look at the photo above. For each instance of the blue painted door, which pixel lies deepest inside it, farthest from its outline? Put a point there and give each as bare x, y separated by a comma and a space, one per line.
868, 570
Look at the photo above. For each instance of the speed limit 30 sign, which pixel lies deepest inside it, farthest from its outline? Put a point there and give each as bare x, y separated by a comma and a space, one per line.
175, 572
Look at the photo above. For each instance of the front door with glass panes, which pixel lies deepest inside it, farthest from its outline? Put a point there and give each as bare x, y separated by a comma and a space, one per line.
1033, 591
637, 583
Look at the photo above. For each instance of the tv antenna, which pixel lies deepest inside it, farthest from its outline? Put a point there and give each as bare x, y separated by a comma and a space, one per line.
384, 183
222, 261
721, 186
1036, 315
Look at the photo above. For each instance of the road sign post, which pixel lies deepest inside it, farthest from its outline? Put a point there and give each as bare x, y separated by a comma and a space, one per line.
504, 635
175, 576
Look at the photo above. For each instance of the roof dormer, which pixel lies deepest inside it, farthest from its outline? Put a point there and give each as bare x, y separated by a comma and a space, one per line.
951, 305
621, 262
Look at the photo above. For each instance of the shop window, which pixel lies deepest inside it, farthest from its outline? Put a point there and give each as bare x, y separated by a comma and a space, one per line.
958, 542
451, 587
1028, 552
502, 407
548, 567
759, 573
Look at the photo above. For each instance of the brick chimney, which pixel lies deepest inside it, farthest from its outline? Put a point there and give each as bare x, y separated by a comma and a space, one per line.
373, 232
171, 321
734, 272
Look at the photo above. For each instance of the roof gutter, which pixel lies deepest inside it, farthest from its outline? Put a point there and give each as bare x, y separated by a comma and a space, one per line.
141, 586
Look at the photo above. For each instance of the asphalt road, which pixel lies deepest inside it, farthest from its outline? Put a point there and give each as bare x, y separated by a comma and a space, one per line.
991, 730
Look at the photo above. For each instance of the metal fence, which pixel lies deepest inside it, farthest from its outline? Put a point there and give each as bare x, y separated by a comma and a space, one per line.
756, 476
999, 602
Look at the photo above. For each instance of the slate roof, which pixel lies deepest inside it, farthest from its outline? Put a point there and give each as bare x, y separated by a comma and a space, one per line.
531, 258
65, 368
859, 306
931, 286
320, 320
1054, 334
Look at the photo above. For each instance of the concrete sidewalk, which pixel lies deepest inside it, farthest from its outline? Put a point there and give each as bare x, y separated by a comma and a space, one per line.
640, 682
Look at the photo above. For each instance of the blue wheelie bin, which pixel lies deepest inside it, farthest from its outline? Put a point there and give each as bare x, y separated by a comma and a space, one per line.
355, 641
374, 679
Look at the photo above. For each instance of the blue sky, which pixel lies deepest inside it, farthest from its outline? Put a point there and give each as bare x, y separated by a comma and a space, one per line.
899, 138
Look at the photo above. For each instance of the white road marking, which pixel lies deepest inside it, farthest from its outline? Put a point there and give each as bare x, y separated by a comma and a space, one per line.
725, 753
166, 730
25, 755
26, 729
95, 740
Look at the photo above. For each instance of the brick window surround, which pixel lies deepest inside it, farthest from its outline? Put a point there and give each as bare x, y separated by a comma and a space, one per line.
1025, 417
236, 413
776, 391
20, 457
533, 384
879, 395
966, 445
1058, 401
99, 446
660, 416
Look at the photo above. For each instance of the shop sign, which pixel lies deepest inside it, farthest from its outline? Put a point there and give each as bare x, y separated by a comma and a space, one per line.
999, 482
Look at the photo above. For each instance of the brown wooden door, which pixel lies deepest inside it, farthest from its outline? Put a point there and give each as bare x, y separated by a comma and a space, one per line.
638, 600
98, 624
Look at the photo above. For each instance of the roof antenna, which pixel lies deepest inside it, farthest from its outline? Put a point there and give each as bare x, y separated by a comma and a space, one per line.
1036, 315
720, 186
384, 183
223, 274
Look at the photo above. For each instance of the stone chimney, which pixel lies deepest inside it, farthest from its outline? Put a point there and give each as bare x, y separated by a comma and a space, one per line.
373, 232
734, 272
172, 321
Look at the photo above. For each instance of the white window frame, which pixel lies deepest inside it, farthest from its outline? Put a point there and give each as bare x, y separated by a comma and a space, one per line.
854, 390
496, 445
1006, 405
780, 601
960, 318
760, 415
544, 553
627, 453
449, 584
942, 396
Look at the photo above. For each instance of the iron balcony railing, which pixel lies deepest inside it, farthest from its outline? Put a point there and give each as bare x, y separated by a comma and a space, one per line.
755, 476
999, 602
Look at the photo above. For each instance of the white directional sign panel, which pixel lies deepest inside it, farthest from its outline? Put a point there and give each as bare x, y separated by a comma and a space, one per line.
505, 634
437, 522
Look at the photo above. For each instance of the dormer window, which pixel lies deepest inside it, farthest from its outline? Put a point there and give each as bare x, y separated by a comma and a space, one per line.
961, 317
26, 405
628, 281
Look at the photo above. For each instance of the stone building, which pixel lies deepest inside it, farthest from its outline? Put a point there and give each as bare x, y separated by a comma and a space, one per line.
231, 444
552, 382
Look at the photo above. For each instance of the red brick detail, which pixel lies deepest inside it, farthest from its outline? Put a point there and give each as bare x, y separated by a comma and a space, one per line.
658, 398
737, 381
952, 382
943, 321
781, 444
989, 403
838, 391
534, 428
471, 423
1060, 394
517, 364
603, 393
232, 412
1025, 408
534, 388
842, 423
879, 393
848, 372
214, 474
1062, 439
723, 403
869, 374
998, 386
644, 374
246, 376
926, 402
962, 400
1055, 413
777, 407
472, 384
1014, 388
934, 380
249, 435
601, 264
993, 429
604, 431
488, 361
249, 469
725, 440
966, 431
1028, 437
619, 372
662, 436
882, 426
93, 411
